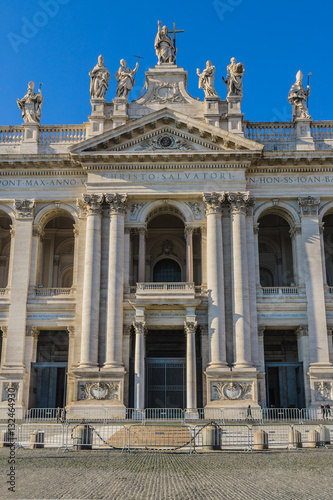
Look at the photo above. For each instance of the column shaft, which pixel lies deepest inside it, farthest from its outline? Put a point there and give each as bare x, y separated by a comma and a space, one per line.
127, 246
241, 310
114, 329
215, 282
91, 283
139, 366
189, 254
191, 373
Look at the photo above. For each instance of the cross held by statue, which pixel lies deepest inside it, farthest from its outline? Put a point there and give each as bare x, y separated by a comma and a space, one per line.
174, 31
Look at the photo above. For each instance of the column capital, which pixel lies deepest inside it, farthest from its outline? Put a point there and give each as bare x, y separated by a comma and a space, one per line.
302, 331
239, 202
32, 331
117, 203
24, 209
203, 230
295, 230
188, 230
142, 230
261, 330
4, 330
256, 228
91, 203
37, 231
76, 230
308, 205
71, 331
127, 230
213, 202
140, 327
190, 327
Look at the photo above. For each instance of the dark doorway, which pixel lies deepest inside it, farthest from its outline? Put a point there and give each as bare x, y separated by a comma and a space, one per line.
48, 373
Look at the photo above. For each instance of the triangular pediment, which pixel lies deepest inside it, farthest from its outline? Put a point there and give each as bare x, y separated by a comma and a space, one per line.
165, 131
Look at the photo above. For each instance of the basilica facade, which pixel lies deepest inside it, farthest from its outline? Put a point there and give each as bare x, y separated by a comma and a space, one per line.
167, 253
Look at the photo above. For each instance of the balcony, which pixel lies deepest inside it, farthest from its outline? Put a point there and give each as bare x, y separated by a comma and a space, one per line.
165, 293
53, 292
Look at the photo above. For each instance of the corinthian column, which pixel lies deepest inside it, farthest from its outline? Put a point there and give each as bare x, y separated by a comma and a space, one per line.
241, 310
91, 281
215, 281
313, 275
191, 373
114, 322
142, 255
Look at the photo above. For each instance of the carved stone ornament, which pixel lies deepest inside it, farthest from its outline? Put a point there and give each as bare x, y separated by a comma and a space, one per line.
140, 327
167, 247
4, 330
231, 391
117, 203
91, 203
167, 92
309, 205
32, 331
195, 207
10, 389
163, 142
164, 47
190, 327
98, 390
135, 208
24, 208
302, 331
213, 202
125, 79
323, 391
238, 202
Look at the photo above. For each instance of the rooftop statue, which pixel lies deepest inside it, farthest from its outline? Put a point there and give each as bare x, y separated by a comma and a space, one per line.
125, 79
235, 72
206, 80
165, 49
31, 105
99, 79
297, 98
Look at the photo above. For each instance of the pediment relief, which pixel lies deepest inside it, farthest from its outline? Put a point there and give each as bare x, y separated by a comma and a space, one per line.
166, 131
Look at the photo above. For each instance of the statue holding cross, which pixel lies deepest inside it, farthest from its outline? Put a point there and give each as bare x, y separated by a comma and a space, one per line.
164, 46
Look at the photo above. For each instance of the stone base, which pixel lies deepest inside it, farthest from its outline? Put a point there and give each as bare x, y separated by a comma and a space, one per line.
99, 388
236, 389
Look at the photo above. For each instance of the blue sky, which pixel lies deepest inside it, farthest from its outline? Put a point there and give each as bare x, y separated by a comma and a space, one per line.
57, 42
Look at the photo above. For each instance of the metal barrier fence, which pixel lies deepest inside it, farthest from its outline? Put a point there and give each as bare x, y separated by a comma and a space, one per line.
190, 415
166, 436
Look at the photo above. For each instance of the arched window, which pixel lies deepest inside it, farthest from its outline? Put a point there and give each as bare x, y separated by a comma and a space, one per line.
167, 270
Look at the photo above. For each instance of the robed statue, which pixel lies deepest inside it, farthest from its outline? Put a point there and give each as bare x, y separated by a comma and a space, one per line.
235, 72
297, 97
99, 79
31, 105
165, 49
206, 80
125, 79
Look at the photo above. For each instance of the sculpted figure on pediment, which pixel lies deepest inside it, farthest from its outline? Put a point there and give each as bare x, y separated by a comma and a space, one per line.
99, 79
125, 79
233, 80
165, 50
206, 80
31, 105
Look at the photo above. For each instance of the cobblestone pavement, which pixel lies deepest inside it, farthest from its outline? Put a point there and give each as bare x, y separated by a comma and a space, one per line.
102, 474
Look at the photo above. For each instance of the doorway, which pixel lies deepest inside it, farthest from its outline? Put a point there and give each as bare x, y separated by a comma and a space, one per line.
284, 385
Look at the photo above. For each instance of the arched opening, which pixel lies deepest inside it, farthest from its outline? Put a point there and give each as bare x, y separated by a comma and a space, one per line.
328, 247
167, 270
275, 251
5, 242
57, 253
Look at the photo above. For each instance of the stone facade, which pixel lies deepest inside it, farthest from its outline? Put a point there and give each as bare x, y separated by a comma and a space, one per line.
167, 231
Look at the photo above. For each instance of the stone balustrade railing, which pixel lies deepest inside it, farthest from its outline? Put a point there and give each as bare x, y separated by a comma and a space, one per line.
62, 133
270, 131
4, 291
11, 134
281, 290
51, 292
47, 134
164, 287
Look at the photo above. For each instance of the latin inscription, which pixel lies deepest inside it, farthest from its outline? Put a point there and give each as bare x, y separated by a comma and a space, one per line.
59, 182
266, 180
